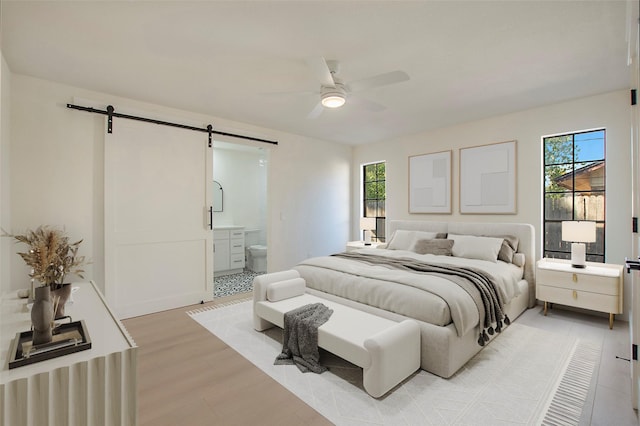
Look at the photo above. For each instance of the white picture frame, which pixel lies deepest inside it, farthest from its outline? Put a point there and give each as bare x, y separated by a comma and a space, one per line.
430, 183
488, 179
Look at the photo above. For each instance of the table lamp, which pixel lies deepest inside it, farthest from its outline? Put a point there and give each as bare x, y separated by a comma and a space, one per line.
367, 224
578, 233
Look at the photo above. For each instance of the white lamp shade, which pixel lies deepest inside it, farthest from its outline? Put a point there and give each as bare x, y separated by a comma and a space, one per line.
367, 223
579, 231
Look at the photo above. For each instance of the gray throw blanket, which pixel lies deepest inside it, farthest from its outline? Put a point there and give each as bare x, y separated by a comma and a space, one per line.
479, 285
300, 342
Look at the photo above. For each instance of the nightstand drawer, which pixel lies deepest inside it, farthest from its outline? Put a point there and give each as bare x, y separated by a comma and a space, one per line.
578, 281
579, 298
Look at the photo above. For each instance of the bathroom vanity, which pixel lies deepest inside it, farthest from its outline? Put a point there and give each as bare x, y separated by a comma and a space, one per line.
228, 250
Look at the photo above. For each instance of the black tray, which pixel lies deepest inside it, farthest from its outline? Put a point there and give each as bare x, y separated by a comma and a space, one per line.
67, 339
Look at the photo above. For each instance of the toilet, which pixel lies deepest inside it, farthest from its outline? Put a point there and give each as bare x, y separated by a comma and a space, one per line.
256, 253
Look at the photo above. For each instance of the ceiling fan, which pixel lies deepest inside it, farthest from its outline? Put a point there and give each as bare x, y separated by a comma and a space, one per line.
334, 92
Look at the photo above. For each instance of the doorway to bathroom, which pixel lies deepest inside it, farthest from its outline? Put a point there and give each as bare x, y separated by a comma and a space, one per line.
239, 216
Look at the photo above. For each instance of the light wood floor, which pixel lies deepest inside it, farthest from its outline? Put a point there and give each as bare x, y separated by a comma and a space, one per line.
187, 376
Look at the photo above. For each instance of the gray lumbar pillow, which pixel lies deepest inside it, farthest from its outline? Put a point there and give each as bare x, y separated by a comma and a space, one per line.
436, 246
508, 249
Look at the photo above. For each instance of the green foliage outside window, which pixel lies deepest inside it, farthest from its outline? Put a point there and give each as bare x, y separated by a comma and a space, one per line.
374, 195
374, 181
558, 159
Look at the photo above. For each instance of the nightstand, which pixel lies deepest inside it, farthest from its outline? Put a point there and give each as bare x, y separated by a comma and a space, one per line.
598, 287
354, 245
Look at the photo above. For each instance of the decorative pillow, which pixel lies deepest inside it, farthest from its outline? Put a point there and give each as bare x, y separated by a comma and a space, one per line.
286, 289
472, 247
436, 246
403, 239
519, 259
508, 249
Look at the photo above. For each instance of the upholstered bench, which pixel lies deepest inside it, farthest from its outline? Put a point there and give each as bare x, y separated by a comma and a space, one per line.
387, 351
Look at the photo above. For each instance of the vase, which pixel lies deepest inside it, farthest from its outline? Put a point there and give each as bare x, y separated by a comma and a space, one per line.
41, 315
59, 295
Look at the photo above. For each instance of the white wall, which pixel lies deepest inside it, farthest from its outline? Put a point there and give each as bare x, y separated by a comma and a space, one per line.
311, 203
57, 157
6, 244
243, 178
610, 110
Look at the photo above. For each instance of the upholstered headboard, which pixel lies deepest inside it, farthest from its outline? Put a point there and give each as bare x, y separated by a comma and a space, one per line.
524, 231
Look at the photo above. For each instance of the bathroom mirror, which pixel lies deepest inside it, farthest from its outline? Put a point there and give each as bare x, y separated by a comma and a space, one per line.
217, 197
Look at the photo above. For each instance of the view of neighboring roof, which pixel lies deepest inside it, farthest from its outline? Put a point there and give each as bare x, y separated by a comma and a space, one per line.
587, 178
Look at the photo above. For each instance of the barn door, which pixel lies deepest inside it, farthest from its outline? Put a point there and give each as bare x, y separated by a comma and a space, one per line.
158, 242
634, 312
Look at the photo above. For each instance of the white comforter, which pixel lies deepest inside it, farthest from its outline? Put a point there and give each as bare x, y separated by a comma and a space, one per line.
413, 295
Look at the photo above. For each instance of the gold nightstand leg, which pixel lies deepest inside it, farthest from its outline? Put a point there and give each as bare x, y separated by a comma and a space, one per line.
611, 316
545, 308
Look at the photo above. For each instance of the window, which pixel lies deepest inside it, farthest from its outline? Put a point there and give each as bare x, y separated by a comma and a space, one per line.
374, 196
574, 189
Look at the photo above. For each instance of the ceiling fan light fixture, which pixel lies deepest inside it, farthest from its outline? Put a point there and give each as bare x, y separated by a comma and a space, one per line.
333, 97
333, 101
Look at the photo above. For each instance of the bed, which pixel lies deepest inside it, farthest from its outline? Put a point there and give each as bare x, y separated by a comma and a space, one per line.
374, 280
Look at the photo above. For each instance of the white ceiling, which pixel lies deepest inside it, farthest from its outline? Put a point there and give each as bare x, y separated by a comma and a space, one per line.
466, 60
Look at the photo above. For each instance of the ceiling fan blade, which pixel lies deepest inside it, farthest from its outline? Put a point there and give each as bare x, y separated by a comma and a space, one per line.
315, 112
378, 80
291, 93
366, 104
321, 70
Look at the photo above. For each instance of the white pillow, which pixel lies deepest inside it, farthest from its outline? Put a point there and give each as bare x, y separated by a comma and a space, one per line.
286, 289
403, 239
472, 247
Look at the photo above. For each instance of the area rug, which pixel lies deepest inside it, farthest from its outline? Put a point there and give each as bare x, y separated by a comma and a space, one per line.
526, 376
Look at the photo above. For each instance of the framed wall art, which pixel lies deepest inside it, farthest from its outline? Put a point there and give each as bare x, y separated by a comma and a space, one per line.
430, 183
488, 179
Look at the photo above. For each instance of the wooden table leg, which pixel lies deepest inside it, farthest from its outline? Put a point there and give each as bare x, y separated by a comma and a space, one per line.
611, 317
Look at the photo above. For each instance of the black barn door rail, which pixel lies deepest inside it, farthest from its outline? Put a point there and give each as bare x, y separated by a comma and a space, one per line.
110, 113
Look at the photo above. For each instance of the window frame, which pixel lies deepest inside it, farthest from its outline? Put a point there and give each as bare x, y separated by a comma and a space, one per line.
379, 233
565, 253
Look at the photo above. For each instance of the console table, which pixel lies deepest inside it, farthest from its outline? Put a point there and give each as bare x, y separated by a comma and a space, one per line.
93, 387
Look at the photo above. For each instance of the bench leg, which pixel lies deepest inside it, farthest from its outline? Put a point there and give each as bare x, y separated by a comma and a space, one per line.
395, 355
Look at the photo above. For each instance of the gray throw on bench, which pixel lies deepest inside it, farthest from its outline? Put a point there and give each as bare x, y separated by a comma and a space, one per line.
300, 341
